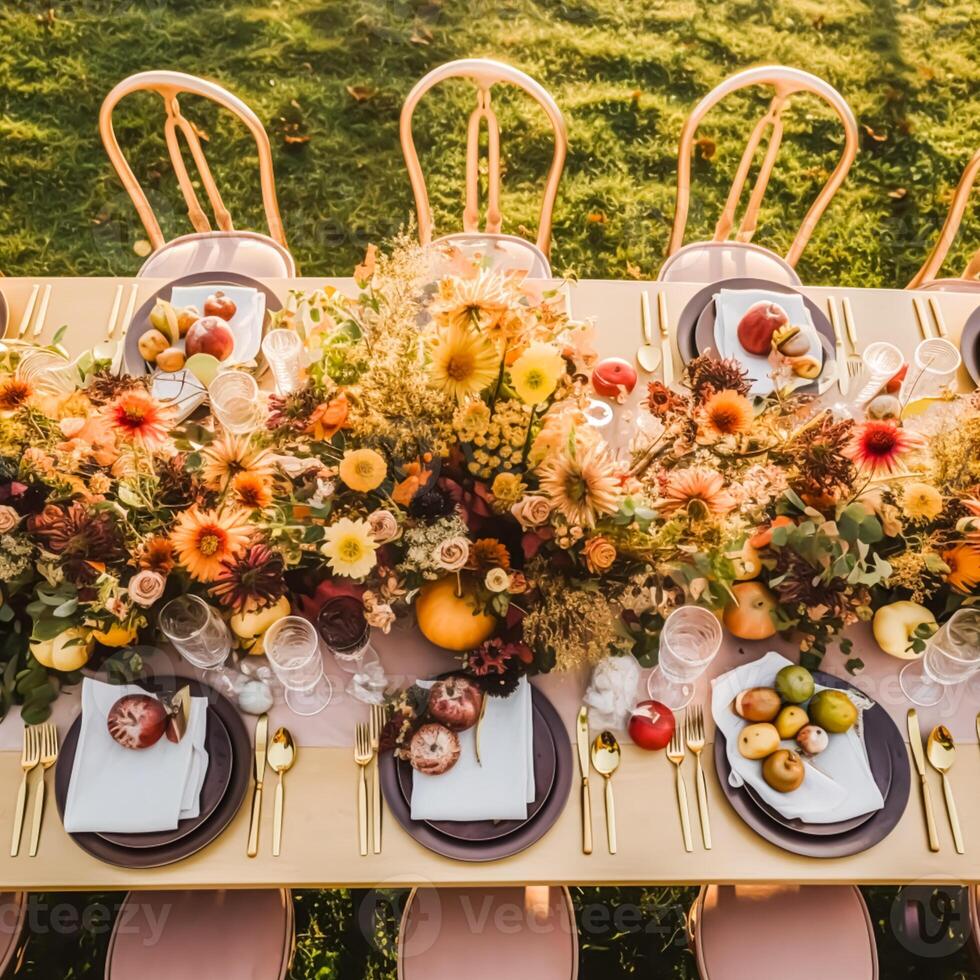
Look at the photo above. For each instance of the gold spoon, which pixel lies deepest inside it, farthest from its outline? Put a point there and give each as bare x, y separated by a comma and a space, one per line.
281, 756
941, 752
605, 760
647, 355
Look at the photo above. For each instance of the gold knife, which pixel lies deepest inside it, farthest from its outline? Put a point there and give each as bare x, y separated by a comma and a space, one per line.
937, 315
839, 352
582, 737
915, 744
667, 363
261, 740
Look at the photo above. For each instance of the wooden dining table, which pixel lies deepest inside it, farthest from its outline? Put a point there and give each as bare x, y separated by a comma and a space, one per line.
320, 846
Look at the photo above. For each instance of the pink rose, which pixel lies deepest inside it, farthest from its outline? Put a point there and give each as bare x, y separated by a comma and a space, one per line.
532, 511
9, 518
146, 587
384, 526
451, 555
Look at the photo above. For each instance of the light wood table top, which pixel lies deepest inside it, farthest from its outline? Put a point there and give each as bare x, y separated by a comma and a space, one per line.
320, 846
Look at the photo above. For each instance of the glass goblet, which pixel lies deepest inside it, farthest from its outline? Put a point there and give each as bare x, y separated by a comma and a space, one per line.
689, 641
952, 656
292, 647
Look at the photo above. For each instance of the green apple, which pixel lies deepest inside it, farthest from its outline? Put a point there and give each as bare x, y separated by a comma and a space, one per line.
794, 684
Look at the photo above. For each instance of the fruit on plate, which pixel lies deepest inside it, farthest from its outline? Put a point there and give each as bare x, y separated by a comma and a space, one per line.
805, 366
170, 360
187, 316
137, 721
250, 627
757, 704
210, 335
652, 725
451, 621
204, 367
455, 702
613, 374
812, 740
220, 305
758, 324
433, 750
790, 341
152, 344
895, 625
784, 771
832, 710
794, 684
67, 651
750, 616
790, 721
758, 741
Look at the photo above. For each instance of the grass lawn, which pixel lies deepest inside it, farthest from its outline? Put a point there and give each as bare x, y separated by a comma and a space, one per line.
328, 78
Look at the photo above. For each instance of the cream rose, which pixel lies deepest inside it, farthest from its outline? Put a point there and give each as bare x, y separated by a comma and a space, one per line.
146, 587
497, 580
532, 511
9, 518
600, 553
384, 526
451, 555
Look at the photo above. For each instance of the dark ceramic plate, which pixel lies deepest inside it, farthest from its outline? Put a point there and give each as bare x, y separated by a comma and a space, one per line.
477, 830
970, 345
882, 737
492, 850
4, 313
207, 830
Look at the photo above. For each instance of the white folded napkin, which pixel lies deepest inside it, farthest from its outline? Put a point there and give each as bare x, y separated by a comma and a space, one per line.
838, 785
732, 304
119, 790
502, 787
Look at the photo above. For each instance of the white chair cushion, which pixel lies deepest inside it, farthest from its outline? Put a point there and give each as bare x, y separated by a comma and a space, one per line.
712, 261
245, 252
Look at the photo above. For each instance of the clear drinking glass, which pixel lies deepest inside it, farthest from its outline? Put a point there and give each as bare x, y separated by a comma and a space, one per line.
934, 366
293, 649
197, 632
952, 656
235, 401
283, 350
881, 362
689, 641
345, 632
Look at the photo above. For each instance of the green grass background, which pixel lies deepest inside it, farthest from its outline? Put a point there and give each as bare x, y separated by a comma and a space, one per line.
328, 78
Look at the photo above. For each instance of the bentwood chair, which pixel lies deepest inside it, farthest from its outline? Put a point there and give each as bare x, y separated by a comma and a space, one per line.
249, 253
722, 258
13, 919
925, 278
488, 933
207, 935
490, 246
823, 930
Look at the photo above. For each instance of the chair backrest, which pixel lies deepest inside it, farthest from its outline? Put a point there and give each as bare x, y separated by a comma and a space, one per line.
169, 85
485, 74
786, 82
938, 255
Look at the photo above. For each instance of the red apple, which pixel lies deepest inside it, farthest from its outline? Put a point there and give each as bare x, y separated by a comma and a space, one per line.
137, 721
651, 725
456, 703
760, 322
210, 335
217, 304
894, 383
612, 375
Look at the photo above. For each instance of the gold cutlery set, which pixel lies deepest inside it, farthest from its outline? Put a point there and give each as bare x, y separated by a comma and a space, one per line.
939, 324
940, 752
280, 754
849, 362
649, 355
25, 328
367, 740
604, 756
690, 736
40, 748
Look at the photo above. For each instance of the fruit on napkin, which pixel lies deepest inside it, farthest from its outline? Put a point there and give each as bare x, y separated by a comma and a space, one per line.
220, 305
455, 702
832, 710
812, 740
790, 341
210, 335
794, 684
152, 344
757, 326
896, 625
791, 720
434, 749
137, 721
652, 725
757, 704
758, 741
783, 771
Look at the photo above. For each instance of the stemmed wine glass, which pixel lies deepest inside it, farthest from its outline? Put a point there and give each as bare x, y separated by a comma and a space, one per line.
347, 635
689, 641
200, 636
952, 656
293, 650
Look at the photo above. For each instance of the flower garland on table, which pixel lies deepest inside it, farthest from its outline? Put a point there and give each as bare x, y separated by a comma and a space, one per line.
439, 457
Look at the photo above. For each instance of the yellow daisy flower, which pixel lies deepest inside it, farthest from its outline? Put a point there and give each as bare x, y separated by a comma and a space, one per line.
363, 469
535, 374
921, 501
350, 548
463, 362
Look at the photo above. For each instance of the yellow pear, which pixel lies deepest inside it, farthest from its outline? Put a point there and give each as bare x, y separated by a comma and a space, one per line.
894, 625
250, 627
67, 651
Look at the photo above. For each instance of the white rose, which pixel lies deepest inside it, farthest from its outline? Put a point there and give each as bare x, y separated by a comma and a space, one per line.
497, 580
452, 554
384, 526
146, 587
9, 519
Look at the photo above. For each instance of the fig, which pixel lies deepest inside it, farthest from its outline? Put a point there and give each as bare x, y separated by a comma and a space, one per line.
210, 335
812, 740
758, 741
757, 326
757, 704
455, 702
170, 360
151, 344
805, 367
433, 750
220, 305
784, 771
137, 721
790, 341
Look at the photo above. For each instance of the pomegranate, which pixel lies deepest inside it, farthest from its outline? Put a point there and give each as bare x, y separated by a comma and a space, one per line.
434, 750
217, 304
137, 721
760, 321
455, 702
651, 725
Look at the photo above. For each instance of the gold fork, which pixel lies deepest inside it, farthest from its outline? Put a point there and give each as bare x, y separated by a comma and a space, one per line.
855, 362
694, 722
675, 753
362, 756
30, 756
377, 723
49, 755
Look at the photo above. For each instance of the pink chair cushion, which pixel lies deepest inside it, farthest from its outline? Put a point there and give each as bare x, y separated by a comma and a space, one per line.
488, 934
244, 252
499, 252
808, 933
952, 285
711, 261
204, 935
13, 915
